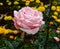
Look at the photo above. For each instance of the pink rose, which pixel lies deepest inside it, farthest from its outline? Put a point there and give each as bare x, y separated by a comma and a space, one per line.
57, 39
28, 20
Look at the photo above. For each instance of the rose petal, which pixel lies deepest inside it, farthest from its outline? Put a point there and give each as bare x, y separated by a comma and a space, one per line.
16, 25
30, 31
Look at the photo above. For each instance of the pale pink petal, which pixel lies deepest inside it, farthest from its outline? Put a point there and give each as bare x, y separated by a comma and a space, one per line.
30, 31
15, 13
17, 26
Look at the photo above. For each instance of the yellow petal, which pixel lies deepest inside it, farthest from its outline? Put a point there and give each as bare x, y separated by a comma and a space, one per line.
58, 20
55, 17
53, 8
41, 8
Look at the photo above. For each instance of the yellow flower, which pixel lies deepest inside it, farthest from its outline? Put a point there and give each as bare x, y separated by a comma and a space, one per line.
27, 1
34, 8
58, 8
56, 13
8, 18
9, 3
1, 32
16, 3
51, 23
15, 32
1, 29
23, 0
58, 20
31, 0
19, 6
46, 6
55, 17
11, 37
5, 31
53, 8
1, 3
42, 4
5, 18
26, 4
37, 1
9, 30
41, 8
58, 28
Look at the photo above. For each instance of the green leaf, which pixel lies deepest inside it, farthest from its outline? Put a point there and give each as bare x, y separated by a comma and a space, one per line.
15, 44
3, 48
25, 46
8, 44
